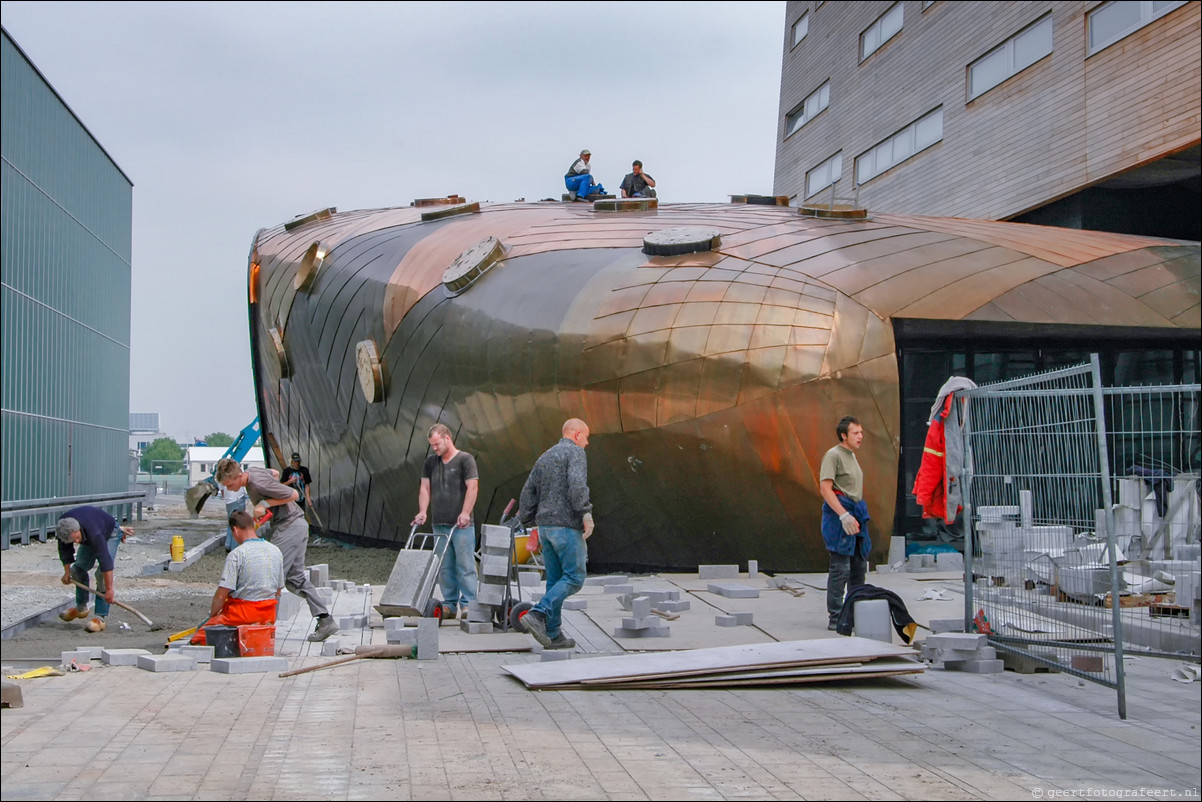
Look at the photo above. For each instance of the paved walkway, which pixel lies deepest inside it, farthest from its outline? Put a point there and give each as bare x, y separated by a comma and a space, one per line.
460, 728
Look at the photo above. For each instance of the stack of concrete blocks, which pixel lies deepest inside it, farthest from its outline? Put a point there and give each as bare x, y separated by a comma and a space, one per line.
494, 566
962, 651
479, 619
1001, 541
949, 561
642, 623
319, 575
733, 620
412, 631
920, 563
81, 656
666, 601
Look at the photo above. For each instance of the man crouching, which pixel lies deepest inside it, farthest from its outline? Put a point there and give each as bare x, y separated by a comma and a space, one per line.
249, 589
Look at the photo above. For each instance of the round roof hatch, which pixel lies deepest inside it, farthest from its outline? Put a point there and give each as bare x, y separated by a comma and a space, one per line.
686, 239
472, 264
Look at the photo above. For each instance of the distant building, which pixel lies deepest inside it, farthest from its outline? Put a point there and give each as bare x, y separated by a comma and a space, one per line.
66, 229
202, 460
143, 430
1074, 114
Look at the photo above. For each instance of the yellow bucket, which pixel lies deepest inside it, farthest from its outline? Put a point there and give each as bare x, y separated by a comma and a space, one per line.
521, 554
177, 548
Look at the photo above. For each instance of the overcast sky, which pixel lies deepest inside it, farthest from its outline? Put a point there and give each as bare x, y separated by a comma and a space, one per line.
231, 117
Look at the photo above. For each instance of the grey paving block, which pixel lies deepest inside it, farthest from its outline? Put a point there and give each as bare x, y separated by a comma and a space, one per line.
549, 655
734, 620
575, 604
717, 571
731, 590
75, 656
673, 606
529, 579
323, 574
941, 625
476, 627
160, 663
490, 594
640, 606
427, 639
975, 666
96, 652
650, 632
479, 613
494, 566
11, 696
122, 657
642, 622
329, 647
753, 569
325, 594
957, 640
619, 588
406, 636
607, 580
249, 665
202, 654
352, 622
949, 561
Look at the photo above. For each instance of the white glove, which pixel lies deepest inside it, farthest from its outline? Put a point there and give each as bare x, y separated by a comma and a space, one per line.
588, 524
850, 525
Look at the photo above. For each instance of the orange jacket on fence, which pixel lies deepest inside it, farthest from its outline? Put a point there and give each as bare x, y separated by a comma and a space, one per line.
237, 612
930, 486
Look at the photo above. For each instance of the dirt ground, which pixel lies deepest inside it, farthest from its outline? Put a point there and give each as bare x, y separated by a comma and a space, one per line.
172, 601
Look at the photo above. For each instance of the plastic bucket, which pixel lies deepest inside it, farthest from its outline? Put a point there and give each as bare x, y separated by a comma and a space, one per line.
521, 550
223, 639
177, 548
256, 640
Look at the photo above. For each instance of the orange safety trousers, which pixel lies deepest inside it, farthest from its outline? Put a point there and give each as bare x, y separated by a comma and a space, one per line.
236, 612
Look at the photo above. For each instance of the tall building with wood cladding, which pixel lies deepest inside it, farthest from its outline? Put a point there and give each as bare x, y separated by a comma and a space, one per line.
67, 238
1076, 114
1080, 115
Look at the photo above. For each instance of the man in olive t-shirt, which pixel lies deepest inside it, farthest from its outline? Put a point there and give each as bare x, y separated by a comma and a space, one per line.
844, 516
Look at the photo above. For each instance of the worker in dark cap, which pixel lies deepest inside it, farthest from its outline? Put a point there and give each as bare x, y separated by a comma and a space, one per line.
579, 179
297, 477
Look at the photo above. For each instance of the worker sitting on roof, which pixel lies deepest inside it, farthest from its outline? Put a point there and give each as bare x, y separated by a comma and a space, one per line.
579, 181
249, 589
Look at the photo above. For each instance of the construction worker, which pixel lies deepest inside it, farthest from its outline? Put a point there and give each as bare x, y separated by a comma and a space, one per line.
291, 532
450, 482
556, 498
844, 516
249, 589
97, 535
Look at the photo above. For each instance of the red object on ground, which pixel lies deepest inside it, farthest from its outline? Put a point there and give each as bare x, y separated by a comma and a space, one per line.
238, 612
256, 640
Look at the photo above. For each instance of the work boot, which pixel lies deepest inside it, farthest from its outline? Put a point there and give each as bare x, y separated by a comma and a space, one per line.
562, 641
536, 625
463, 612
325, 628
95, 625
831, 626
72, 614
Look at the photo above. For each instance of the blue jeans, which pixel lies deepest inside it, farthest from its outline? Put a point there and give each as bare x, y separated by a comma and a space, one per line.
457, 576
564, 556
582, 185
85, 558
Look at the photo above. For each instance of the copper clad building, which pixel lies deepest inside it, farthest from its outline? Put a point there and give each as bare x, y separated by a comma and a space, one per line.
712, 380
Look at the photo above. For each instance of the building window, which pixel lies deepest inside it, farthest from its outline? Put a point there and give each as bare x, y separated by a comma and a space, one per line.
885, 28
1010, 57
800, 29
818, 100
824, 174
203, 468
915, 137
1110, 22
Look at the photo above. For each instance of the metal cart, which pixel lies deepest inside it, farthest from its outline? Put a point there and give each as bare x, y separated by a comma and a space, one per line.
411, 584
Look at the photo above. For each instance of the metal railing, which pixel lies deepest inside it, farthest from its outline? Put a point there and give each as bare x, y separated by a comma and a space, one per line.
35, 518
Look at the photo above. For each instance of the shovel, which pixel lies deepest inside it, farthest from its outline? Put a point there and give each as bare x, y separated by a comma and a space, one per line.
153, 626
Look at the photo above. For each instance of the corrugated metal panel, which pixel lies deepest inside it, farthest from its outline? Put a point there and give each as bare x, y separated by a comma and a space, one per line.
67, 241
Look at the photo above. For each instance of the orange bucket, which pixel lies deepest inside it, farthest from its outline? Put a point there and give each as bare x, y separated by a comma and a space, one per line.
256, 640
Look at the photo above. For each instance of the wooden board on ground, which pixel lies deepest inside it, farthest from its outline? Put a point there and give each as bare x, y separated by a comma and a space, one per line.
702, 661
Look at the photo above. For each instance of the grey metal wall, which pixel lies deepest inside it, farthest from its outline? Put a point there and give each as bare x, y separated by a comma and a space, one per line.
66, 241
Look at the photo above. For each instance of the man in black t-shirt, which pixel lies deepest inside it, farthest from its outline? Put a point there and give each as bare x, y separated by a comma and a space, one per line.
450, 483
297, 477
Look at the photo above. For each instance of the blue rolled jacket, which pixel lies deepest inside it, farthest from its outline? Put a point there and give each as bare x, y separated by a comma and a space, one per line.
833, 535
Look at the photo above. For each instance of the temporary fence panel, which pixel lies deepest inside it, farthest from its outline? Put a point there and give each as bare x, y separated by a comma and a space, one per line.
1056, 571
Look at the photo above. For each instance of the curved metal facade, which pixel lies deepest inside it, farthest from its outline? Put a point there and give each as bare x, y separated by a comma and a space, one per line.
712, 381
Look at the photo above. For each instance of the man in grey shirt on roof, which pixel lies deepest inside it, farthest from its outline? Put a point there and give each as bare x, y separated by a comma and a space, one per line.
556, 498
